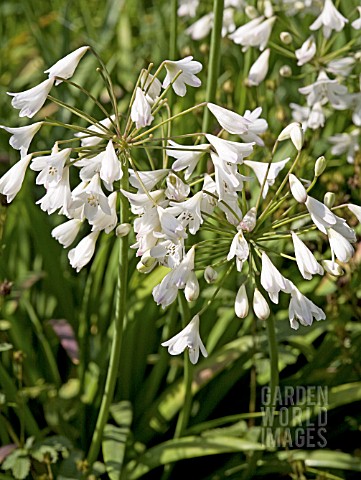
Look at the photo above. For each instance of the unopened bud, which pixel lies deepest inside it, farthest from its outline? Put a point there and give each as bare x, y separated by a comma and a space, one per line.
241, 306
251, 11
210, 275
123, 229
295, 133
147, 263
249, 220
332, 267
191, 291
329, 199
320, 166
297, 189
286, 38
260, 305
267, 9
285, 71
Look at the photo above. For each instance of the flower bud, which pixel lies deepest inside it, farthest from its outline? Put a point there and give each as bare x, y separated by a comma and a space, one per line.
286, 38
249, 220
285, 71
123, 229
297, 189
329, 199
267, 8
210, 275
241, 306
320, 166
147, 263
251, 12
191, 291
332, 267
295, 133
260, 305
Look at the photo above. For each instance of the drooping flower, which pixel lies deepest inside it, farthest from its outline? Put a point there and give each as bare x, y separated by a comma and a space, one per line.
302, 310
341, 66
188, 338
201, 27
50, 167
259, 69
65, 233
141, 112
256, 126
340, 246
306, 52
11, 182
30, 101
254, 34
83, 252
230, 121
92, 198
260, 169
329, 19
325, 90
187, 157
22, 136
348, 143
105, 222
176, 189
239, 249
65, 67
306, 262
110, 170
272, 280
229, 151
58, 196
189, 69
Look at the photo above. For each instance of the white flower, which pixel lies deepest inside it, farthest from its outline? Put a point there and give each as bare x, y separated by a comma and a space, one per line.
302, 310
324, 90
260, 170
22, 136
50, 167
297, 189
30, 101
316, 117
306, 262
57, 196
228, 180
228, 151
329, 19
88, 140
306, 52
254, 34
176, 189
249, 220
241, 306
83, 252
239, 249
172, 229
255, 127
260, 305
146, 179
187, 157
340, 246
242, 35
295, 133
150, 85
141, 112
187, 8
105, 222
230, 121
321, 216
356, 210
110, 170
341, 66
348, 143
201, 27
65, 67
188, 338
189, 69
66, 233
259, 69
11, 182
189, 212
272, 280
92, 197
356, 24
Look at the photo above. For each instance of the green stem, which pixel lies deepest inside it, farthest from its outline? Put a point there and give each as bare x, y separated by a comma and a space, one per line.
120, 314
273, 354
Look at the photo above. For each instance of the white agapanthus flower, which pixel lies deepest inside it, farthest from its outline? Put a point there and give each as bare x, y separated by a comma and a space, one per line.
50, 167
151, 86
272, 280
93, 198
329, 19
229, 151
254, 33
12, 181
255, 127
188, 212
176, 189
187, 8
340, 246
241, 305
58, 196
65, 67
187, 157
89, 140
147, 179
83, 252
260, 169
259, 69
306, 52
341, 66
188, 338
348, 143
302, 310
67, 232
239, 249
230, 121
189, 69
30, 101
306, 262
22, 136
260, 306
141, 112
356, 24
325, 90
110, 169
105, 222
201, 28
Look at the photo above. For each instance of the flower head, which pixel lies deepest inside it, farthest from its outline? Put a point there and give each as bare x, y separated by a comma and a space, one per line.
188, 68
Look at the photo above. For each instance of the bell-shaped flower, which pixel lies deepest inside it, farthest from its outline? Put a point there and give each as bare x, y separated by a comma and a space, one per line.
321, 216
110, 170
201, 27
50, 167
306, 262
239, 249
58, 196
295, 133
141, 112
297, 189
341, 66
325, 90
151, 86
306, 52
242, 34
187, 157
66, 233
145, 226
259, 69
356, 24
340, 246
140, 202
93, 198
65, 67
254, 33
316, 117
188, 212
188, 68
105, 222
241, 305
272, 280
167, 253
230, 121
260, 170
260, 306
89, 140
171, 228
348, 143
147, 179
228, 151
22, 136
188, 338
302, 310
30, 101
329, 19
11, 182
256, 126
228, 179
176, 189
83, 252
187, 8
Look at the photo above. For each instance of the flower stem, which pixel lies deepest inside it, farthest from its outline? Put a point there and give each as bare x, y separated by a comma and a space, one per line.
273, 354
120, 314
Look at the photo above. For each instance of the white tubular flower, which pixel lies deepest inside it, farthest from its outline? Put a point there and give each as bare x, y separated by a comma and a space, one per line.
259, 69
172, 229
316, 117
230, 121
176, 189
187, 8
239, 249
341, 66
228, 180
201, 27
306, 262
325, 89
89, 141
329, 19
66, 233
272, 280
139, 202
260, 170
254, 34
340, 246
228, 151
332, 268
189, 212
57, 196
105, 222
256, 126
30, 101
295, 133
241, 305
187, 157
11, 182
148, 179
260, 305
356, 24
321, 216
189, 69
348, 143
302, 310
50, 167
242, 34
83, 252
151, 85
92, 197
110, 170
141, 112
22, 136
356, 210
65, 67
297, 189
306, 52
188, 338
